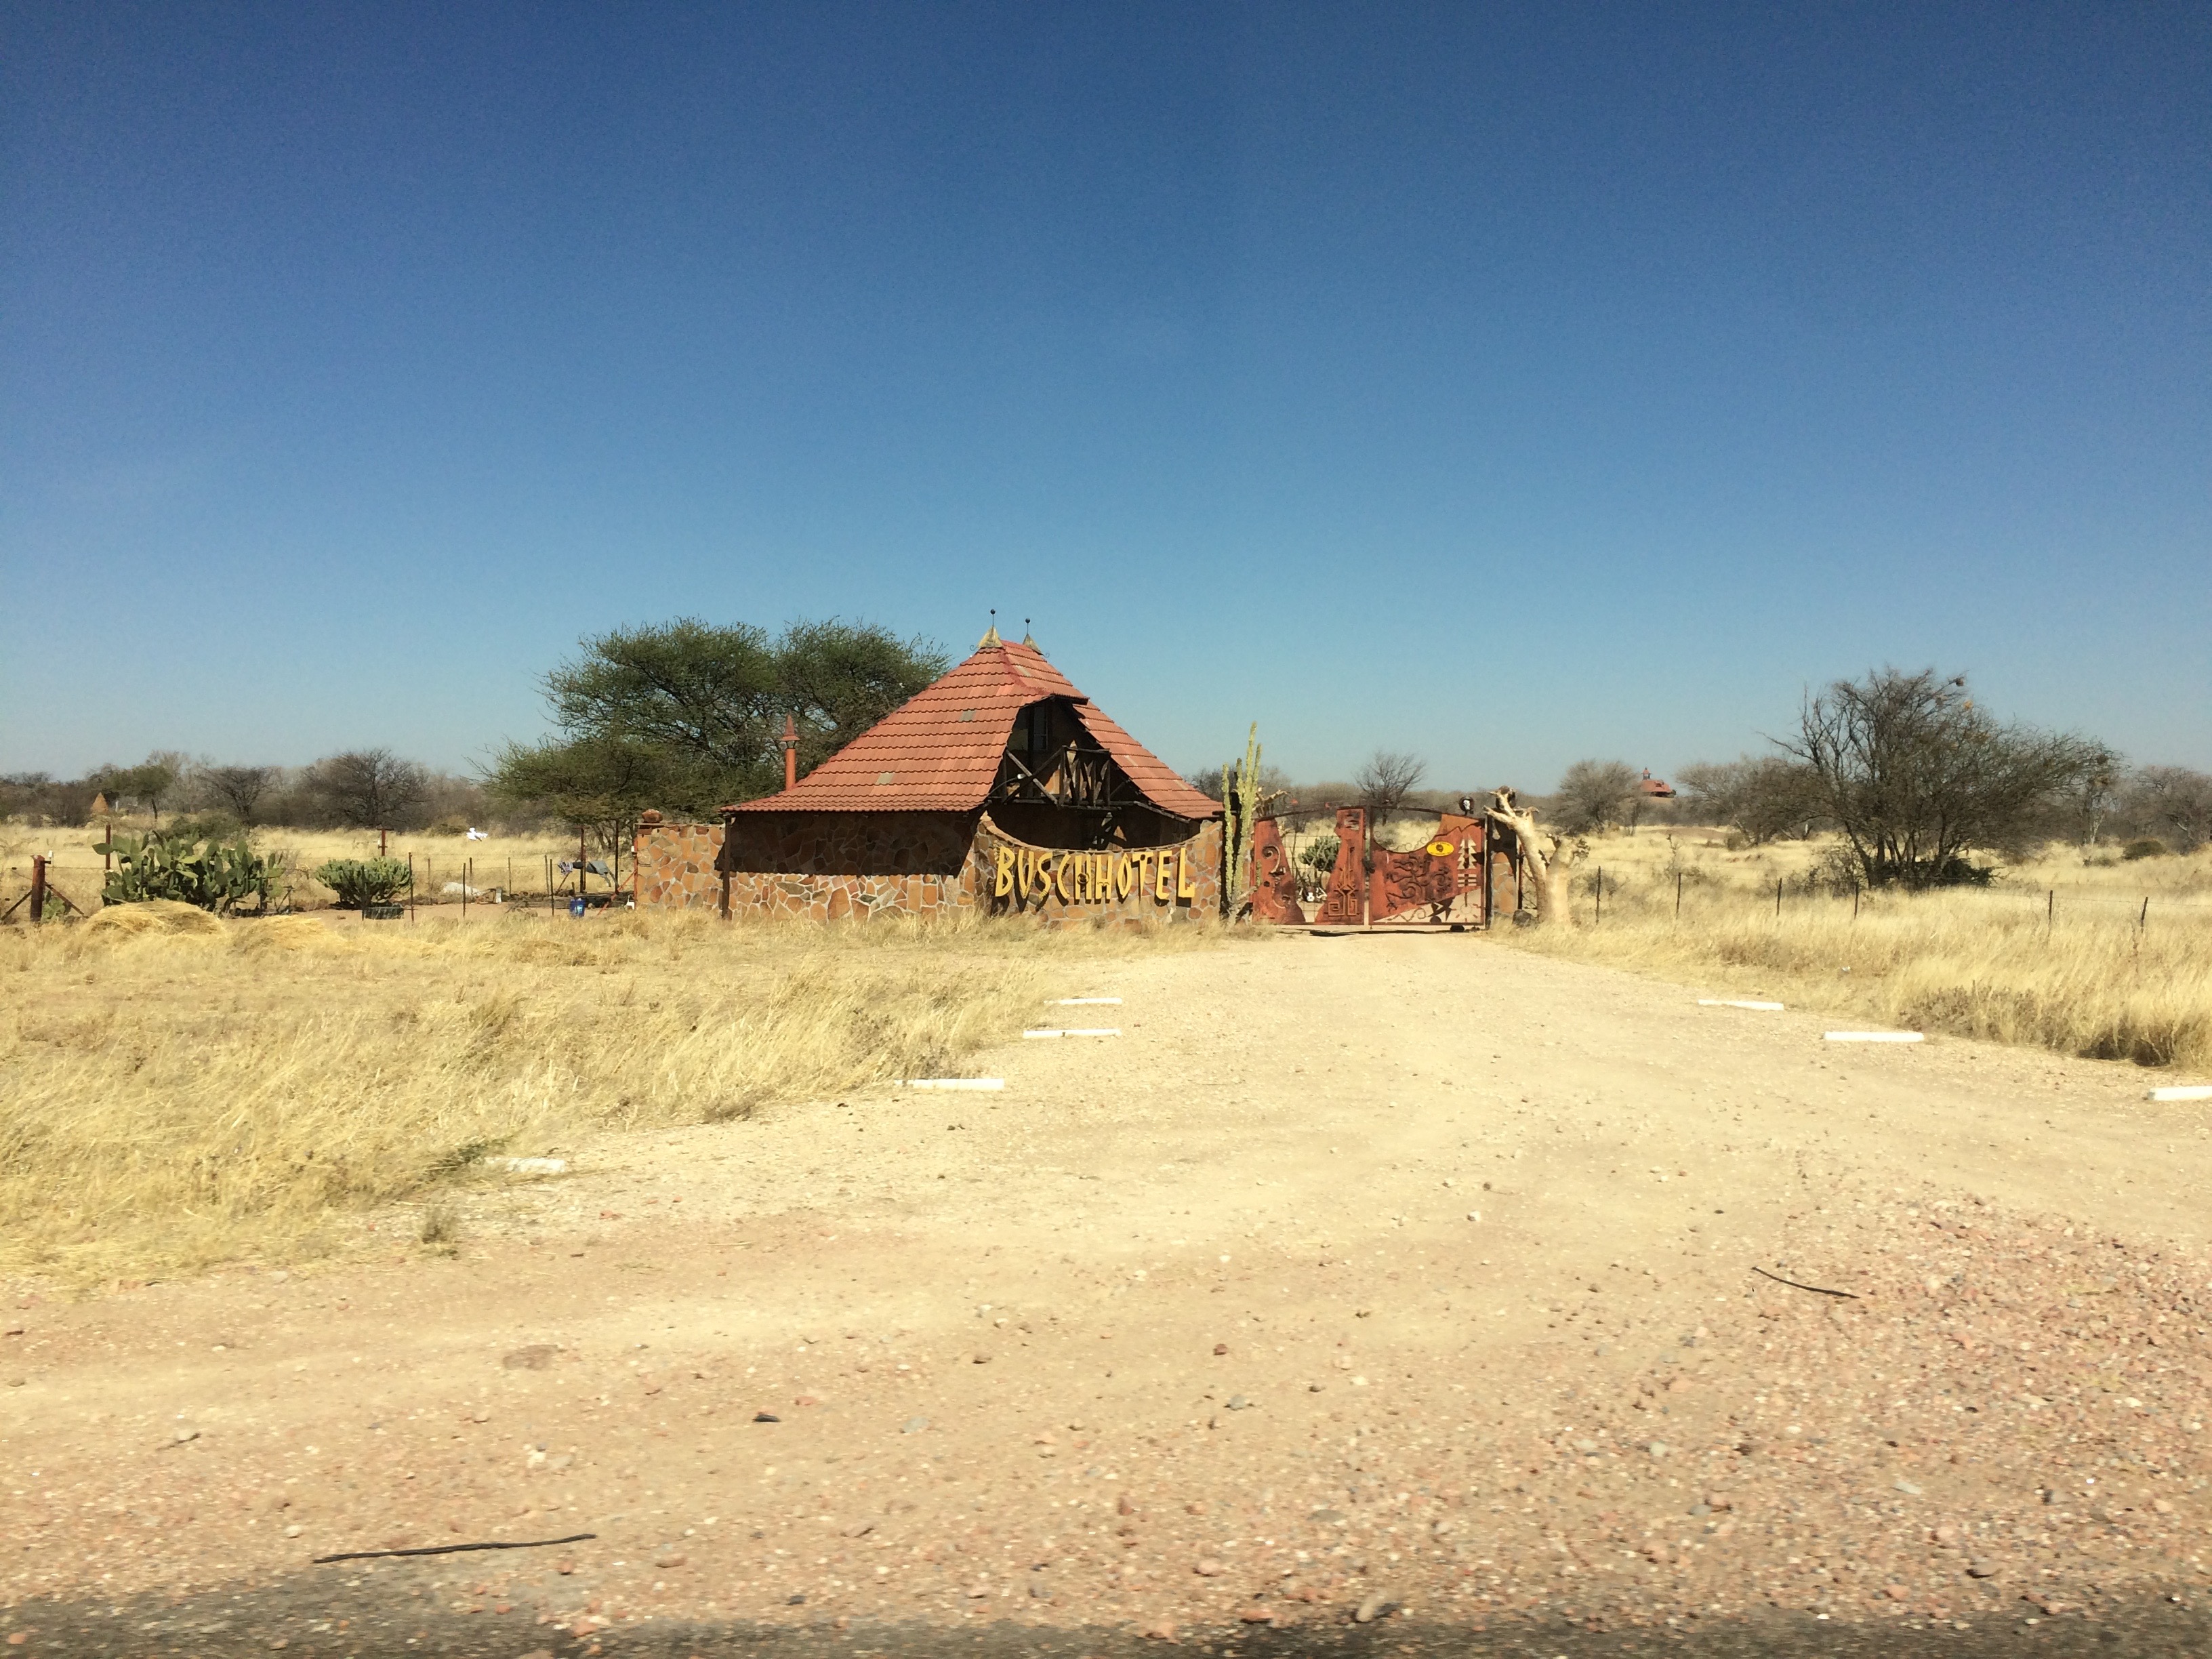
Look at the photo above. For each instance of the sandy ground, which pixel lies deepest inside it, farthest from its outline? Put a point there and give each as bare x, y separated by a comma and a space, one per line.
1407, 1276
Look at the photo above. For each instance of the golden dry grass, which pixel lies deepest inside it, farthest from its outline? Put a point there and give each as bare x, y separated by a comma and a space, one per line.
181, 1090
2053, 956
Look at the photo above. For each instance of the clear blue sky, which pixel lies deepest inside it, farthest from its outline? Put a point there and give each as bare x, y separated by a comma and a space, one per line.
1507, 385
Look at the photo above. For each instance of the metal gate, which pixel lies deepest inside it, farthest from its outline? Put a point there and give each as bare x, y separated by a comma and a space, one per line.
1453, 879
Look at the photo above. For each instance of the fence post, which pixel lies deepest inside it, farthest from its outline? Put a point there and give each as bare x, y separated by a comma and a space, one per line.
1777, 898
1597, 915
37, 887
2049, 909
1678, 896
411, 893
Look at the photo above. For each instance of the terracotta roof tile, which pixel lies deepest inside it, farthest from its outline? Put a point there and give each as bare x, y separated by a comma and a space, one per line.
939, 751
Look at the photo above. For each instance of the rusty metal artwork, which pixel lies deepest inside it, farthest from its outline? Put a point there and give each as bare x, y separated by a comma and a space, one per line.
1344, 904
1275, 885
1447, 880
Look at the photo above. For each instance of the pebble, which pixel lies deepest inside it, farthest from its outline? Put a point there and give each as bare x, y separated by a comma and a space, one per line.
766, 1417
1208, 1567
914, 1425
537, 1357
1375, 1606
1236, 1402
1908, 1489
1658, 1448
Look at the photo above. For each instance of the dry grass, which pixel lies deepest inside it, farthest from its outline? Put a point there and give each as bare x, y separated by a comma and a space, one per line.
181, 1091
2053, 956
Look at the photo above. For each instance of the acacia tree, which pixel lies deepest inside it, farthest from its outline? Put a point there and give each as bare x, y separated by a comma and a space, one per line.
1385, 779
1594, 794
688, 715
2171, 802
369, 788
1763, 797
239, 787
1918, 778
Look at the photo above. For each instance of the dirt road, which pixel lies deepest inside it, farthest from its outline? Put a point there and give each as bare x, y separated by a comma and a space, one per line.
1409, 1277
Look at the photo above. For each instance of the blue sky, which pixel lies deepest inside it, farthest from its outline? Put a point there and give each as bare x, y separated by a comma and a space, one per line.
1509, 386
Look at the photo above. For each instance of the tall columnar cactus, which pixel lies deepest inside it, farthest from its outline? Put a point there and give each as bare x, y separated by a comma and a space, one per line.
1240, 798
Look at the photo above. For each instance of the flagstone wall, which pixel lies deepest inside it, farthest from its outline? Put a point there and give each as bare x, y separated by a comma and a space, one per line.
824, 866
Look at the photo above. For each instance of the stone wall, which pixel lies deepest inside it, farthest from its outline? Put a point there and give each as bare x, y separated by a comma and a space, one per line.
676, 866
823, 867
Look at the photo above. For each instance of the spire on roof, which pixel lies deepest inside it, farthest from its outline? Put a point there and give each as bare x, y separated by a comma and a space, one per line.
1028, 638
991, 633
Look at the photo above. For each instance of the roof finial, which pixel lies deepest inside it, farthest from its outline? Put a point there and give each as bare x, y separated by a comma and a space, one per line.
991, 633
1027, 638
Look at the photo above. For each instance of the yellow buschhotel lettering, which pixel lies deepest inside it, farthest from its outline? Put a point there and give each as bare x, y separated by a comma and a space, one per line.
1102, 877
1063, 867
1079, 882
1184, 889
1144, 861
1125, 873
1002, 881
1164, 878
1041, 875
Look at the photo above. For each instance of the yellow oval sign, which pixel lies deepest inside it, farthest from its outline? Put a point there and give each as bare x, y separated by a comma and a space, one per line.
1441, 849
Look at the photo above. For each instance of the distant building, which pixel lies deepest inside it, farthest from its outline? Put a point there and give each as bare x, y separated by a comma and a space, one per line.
1651, 788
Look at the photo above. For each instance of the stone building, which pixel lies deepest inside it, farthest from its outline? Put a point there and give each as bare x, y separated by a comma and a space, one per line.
998, 789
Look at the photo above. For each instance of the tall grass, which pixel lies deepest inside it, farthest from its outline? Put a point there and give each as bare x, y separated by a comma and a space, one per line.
177, 1090
2055, 955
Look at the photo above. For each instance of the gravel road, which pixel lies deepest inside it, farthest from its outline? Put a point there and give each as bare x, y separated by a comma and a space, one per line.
1410, 1277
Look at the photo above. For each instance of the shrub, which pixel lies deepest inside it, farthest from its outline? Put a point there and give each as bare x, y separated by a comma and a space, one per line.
2144, 846
213, 876
360, 882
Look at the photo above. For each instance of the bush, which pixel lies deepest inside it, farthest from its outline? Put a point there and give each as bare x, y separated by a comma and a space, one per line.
359, 882
210, 875
2144, 846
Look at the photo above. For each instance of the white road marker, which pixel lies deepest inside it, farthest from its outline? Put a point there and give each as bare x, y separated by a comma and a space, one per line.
1103, 1030
1087, 1002
2183, 1091
1875, 1037
1730, 1002
950, 1082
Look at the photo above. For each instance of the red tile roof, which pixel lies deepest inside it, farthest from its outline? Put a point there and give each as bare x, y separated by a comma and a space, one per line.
939, 751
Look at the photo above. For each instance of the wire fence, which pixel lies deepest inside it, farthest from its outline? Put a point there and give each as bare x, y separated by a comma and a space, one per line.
531, 881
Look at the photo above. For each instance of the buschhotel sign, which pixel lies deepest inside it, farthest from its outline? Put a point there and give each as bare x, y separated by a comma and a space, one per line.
1163, 873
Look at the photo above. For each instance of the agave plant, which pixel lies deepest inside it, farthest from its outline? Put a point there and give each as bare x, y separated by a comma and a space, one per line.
217, 876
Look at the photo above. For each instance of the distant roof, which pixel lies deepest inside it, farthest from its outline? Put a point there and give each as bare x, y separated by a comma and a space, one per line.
1659, 788
939, 751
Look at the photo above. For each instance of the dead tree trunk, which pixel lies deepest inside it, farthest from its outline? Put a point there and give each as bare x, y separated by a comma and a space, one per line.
1547, 865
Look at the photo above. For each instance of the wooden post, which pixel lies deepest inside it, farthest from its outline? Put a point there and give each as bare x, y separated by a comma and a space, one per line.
37, 887
468, 868
412, 890
2050, 909
1777, 898
1678, 897
1598, 915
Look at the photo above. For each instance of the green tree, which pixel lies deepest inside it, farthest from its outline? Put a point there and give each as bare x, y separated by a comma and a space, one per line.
1918, 778
688, 715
